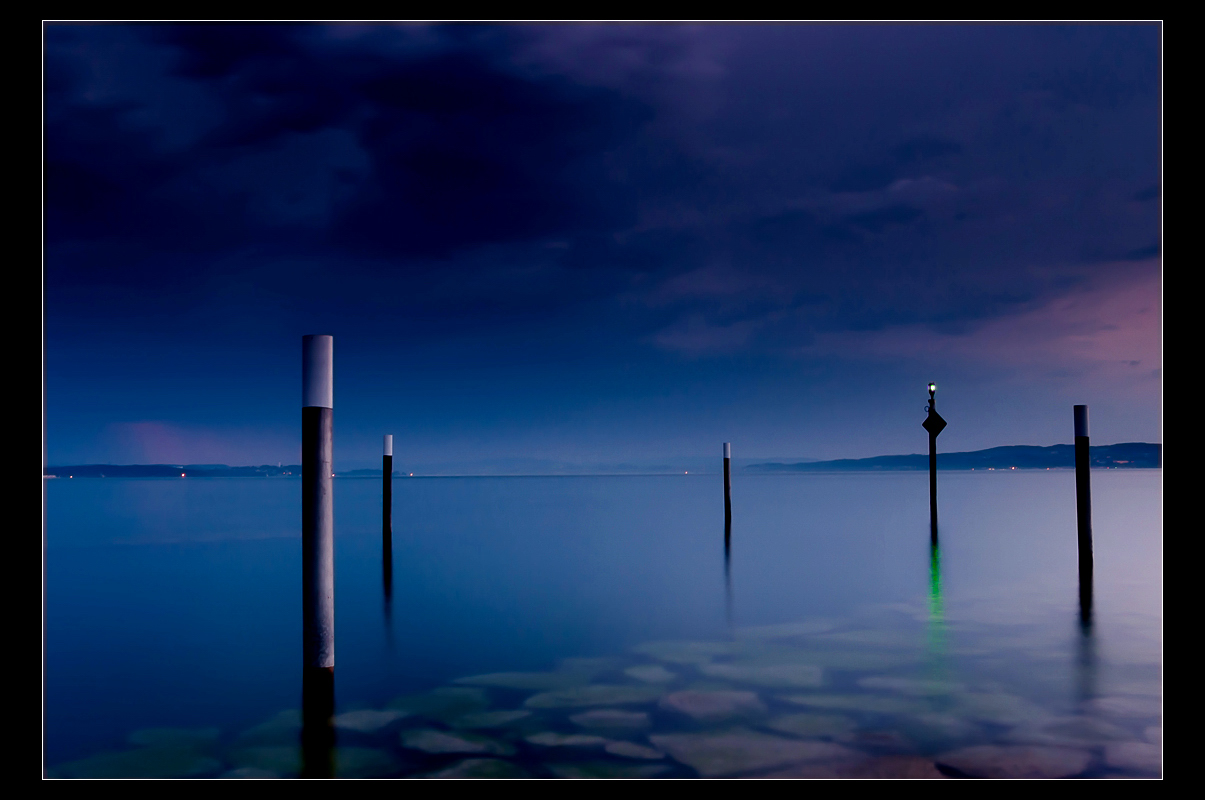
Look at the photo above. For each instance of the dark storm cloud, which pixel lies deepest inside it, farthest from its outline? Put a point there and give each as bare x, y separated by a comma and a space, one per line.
851, 176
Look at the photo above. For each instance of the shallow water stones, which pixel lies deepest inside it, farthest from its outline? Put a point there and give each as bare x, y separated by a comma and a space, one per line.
490, 719
651, 673
607, 769
554, 739
741, 751
1137, 756
528, 681
364, 762
874, 704
443, 704
1002, 709
188, 738
1073, 731
633, 750
429, 740
595, 695
1016, 761
368, 720
685, 652
785, 631
813, 725
144, 762
1128, 706
882, 767
611, 719
713, 706
481, 768
283, 761
912, 686
775, 676
282, 729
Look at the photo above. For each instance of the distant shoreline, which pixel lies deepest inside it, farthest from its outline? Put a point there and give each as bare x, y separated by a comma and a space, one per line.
1127, 455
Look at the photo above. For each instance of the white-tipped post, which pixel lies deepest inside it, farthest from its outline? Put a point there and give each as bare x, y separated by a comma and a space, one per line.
388, 445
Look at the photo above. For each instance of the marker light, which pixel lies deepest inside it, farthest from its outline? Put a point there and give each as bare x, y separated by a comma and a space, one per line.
932, 387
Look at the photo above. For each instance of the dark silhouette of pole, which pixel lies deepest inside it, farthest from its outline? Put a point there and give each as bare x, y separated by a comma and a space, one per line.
387, 521
934, 424
317, 557
1083, 511
727, 487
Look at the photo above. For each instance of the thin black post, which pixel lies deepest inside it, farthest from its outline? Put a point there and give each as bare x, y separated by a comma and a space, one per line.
317, 557
727, 487
934, 424
387, 521
1083, 511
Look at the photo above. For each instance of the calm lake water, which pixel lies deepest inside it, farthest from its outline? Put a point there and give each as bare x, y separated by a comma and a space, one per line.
593, 626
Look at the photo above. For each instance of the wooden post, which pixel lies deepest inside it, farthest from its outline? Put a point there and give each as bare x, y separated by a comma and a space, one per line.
317, 557
1083, 511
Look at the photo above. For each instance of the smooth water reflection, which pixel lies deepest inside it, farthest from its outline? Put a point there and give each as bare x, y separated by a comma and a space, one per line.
176, 605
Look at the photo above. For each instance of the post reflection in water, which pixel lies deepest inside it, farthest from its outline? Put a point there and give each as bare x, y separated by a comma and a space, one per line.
317, 722
1085, 663
728, 571
387, 581
937, 623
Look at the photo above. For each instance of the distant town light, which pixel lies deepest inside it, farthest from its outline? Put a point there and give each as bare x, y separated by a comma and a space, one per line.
181, 474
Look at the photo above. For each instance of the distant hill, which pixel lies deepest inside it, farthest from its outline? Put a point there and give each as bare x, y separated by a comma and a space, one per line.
1129, 455
171, 471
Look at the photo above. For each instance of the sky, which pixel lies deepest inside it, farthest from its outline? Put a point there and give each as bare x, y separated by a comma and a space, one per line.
598, 244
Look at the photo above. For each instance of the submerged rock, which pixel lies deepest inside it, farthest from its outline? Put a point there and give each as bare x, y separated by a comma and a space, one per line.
711, 706
1073, 731
813, 725
1128, 706
606, 769
789, 630
633, 750
612, 719
481, 768
741, 751
777, 675
528, 681
875, 704
145, 762
1017, 761
282, 729
651, 673
443, 704
249, 773
1002, 709
490, 719
368, 720
364, 762
554, 739
912, 686
284, 761
883, 767
187, 738
1137, 756
685, 652
429, 740
596, 695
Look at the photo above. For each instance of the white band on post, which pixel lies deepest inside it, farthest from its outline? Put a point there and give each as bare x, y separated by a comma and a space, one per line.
318, 371
1081, 420
727, 449
389, 444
